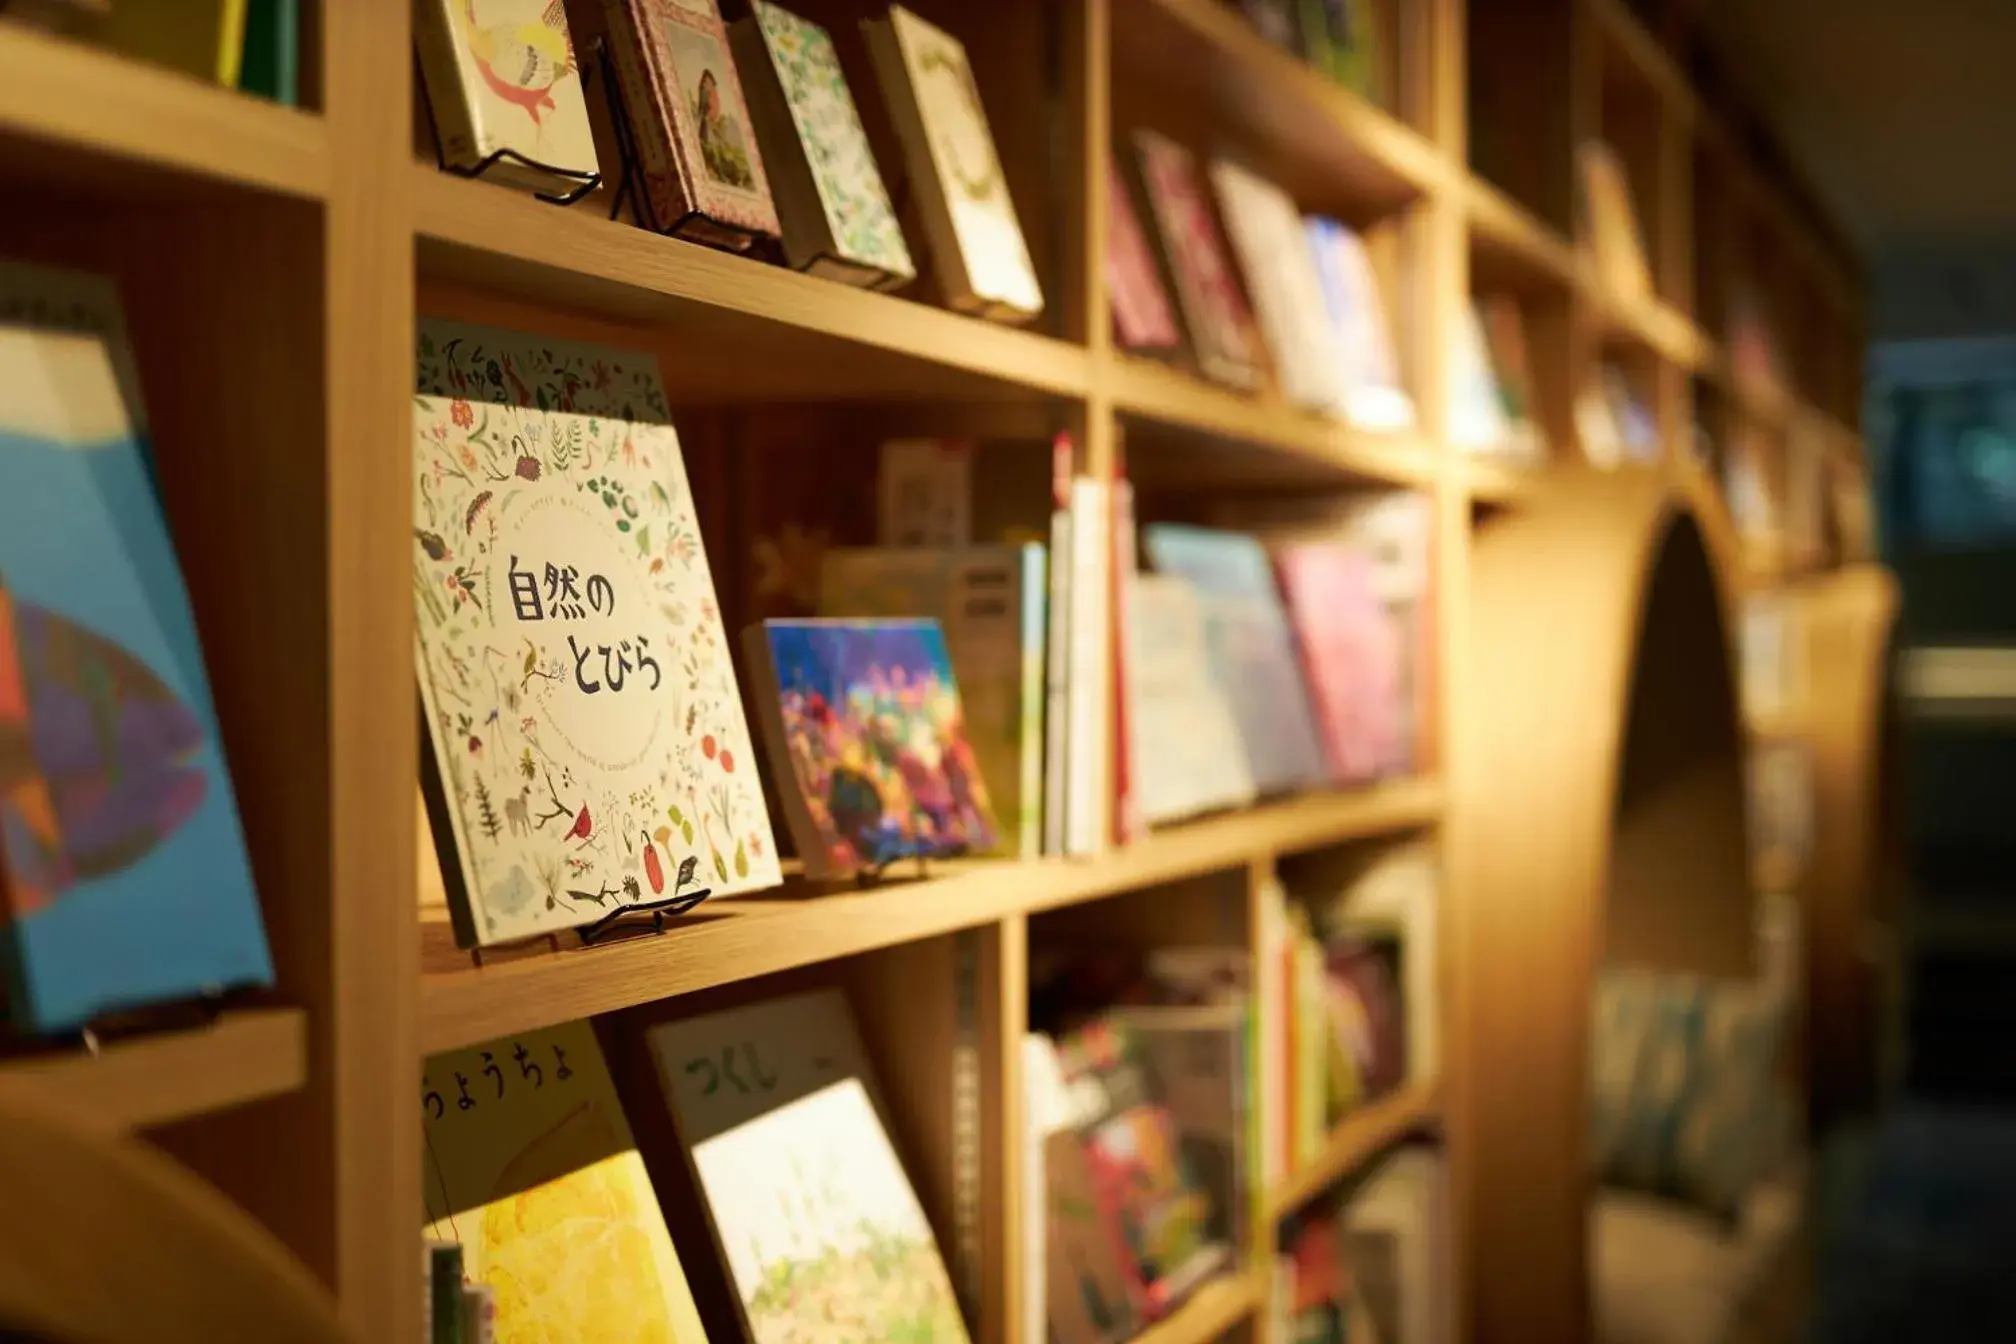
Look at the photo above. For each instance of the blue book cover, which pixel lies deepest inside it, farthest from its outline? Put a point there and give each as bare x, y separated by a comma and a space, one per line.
1251, 648
124, 879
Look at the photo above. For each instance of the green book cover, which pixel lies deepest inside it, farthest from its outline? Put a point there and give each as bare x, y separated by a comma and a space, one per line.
272, 62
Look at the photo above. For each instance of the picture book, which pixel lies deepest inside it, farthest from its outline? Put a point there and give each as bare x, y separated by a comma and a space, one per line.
1223, 338
1149, 1199
1280, 270
1074, 1277
204, 38
811, 1209
588, 745
835, 212
867, 735
1404, 1201
1323, 1305
1511, 373
1613, 223
124, 878
530, 1166
1374, 396
1637, 427
956, 176
1186, 738
1196, 1062
700, 166
924, 492
1142, 318
990, 601
503, 83
1351, 657
1364, 973
1393, 895
1478, 421
1252, 649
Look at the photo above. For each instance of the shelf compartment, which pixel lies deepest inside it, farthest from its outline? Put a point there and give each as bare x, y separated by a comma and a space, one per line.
1327, 147
1210, 1313
1361, 1136
1178, 416
75, 118
730, 328
735, 938
245, 1055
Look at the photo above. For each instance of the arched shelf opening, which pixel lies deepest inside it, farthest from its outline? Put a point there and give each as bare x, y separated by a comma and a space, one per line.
1599, 816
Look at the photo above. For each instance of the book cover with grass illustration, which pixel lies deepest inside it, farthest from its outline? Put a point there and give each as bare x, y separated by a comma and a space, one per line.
813, 1215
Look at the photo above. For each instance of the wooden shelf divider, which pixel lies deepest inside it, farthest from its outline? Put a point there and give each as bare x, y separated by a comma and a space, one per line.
1210, 1313
245, 1055
1361, 1136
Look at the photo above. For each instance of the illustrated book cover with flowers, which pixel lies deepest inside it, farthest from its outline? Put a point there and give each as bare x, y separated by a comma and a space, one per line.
837, 217
702, 170
956, 176
530, 1166
810, 1207
867, 736
588, 744
124, 878
502, 78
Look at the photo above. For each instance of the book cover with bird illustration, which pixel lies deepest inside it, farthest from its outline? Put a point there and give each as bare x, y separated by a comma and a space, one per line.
530, 1166
812, 1212
867, 734
588, 744
503, 75
124, 878
703, 172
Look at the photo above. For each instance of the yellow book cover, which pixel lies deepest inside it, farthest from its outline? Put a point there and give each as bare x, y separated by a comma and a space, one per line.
205, 38
530, 1165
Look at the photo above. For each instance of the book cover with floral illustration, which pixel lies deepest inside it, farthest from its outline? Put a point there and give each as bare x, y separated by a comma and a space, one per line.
529, 1165
868, 735
587, 733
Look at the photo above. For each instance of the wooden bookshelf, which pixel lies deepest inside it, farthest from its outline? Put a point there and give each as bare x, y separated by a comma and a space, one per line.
245, 1055
1210, 1313
297, 246
1362, 1135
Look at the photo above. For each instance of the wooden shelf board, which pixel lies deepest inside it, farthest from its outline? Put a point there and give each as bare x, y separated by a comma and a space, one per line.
1293, 445
801, 923
1643, 55
1362, 1135
245, 1055
1330, 149
1490, 482
1510, 246
1209, 1313
730, 326
72, 116
1658, 327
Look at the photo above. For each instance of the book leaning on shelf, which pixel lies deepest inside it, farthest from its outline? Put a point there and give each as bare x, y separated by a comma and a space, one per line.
503, 84
588, 746
118, 795
961, 190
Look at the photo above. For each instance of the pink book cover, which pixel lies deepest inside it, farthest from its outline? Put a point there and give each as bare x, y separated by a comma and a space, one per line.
1226, 341
1141, 316
1351, 657
690, 121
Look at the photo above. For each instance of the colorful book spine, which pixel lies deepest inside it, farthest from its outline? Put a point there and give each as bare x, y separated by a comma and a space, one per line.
1035, 693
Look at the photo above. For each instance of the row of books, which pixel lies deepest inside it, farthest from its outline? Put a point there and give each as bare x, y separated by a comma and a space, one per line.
744, 136
765, 1140
254, 45
1371, 1264
1343, 39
